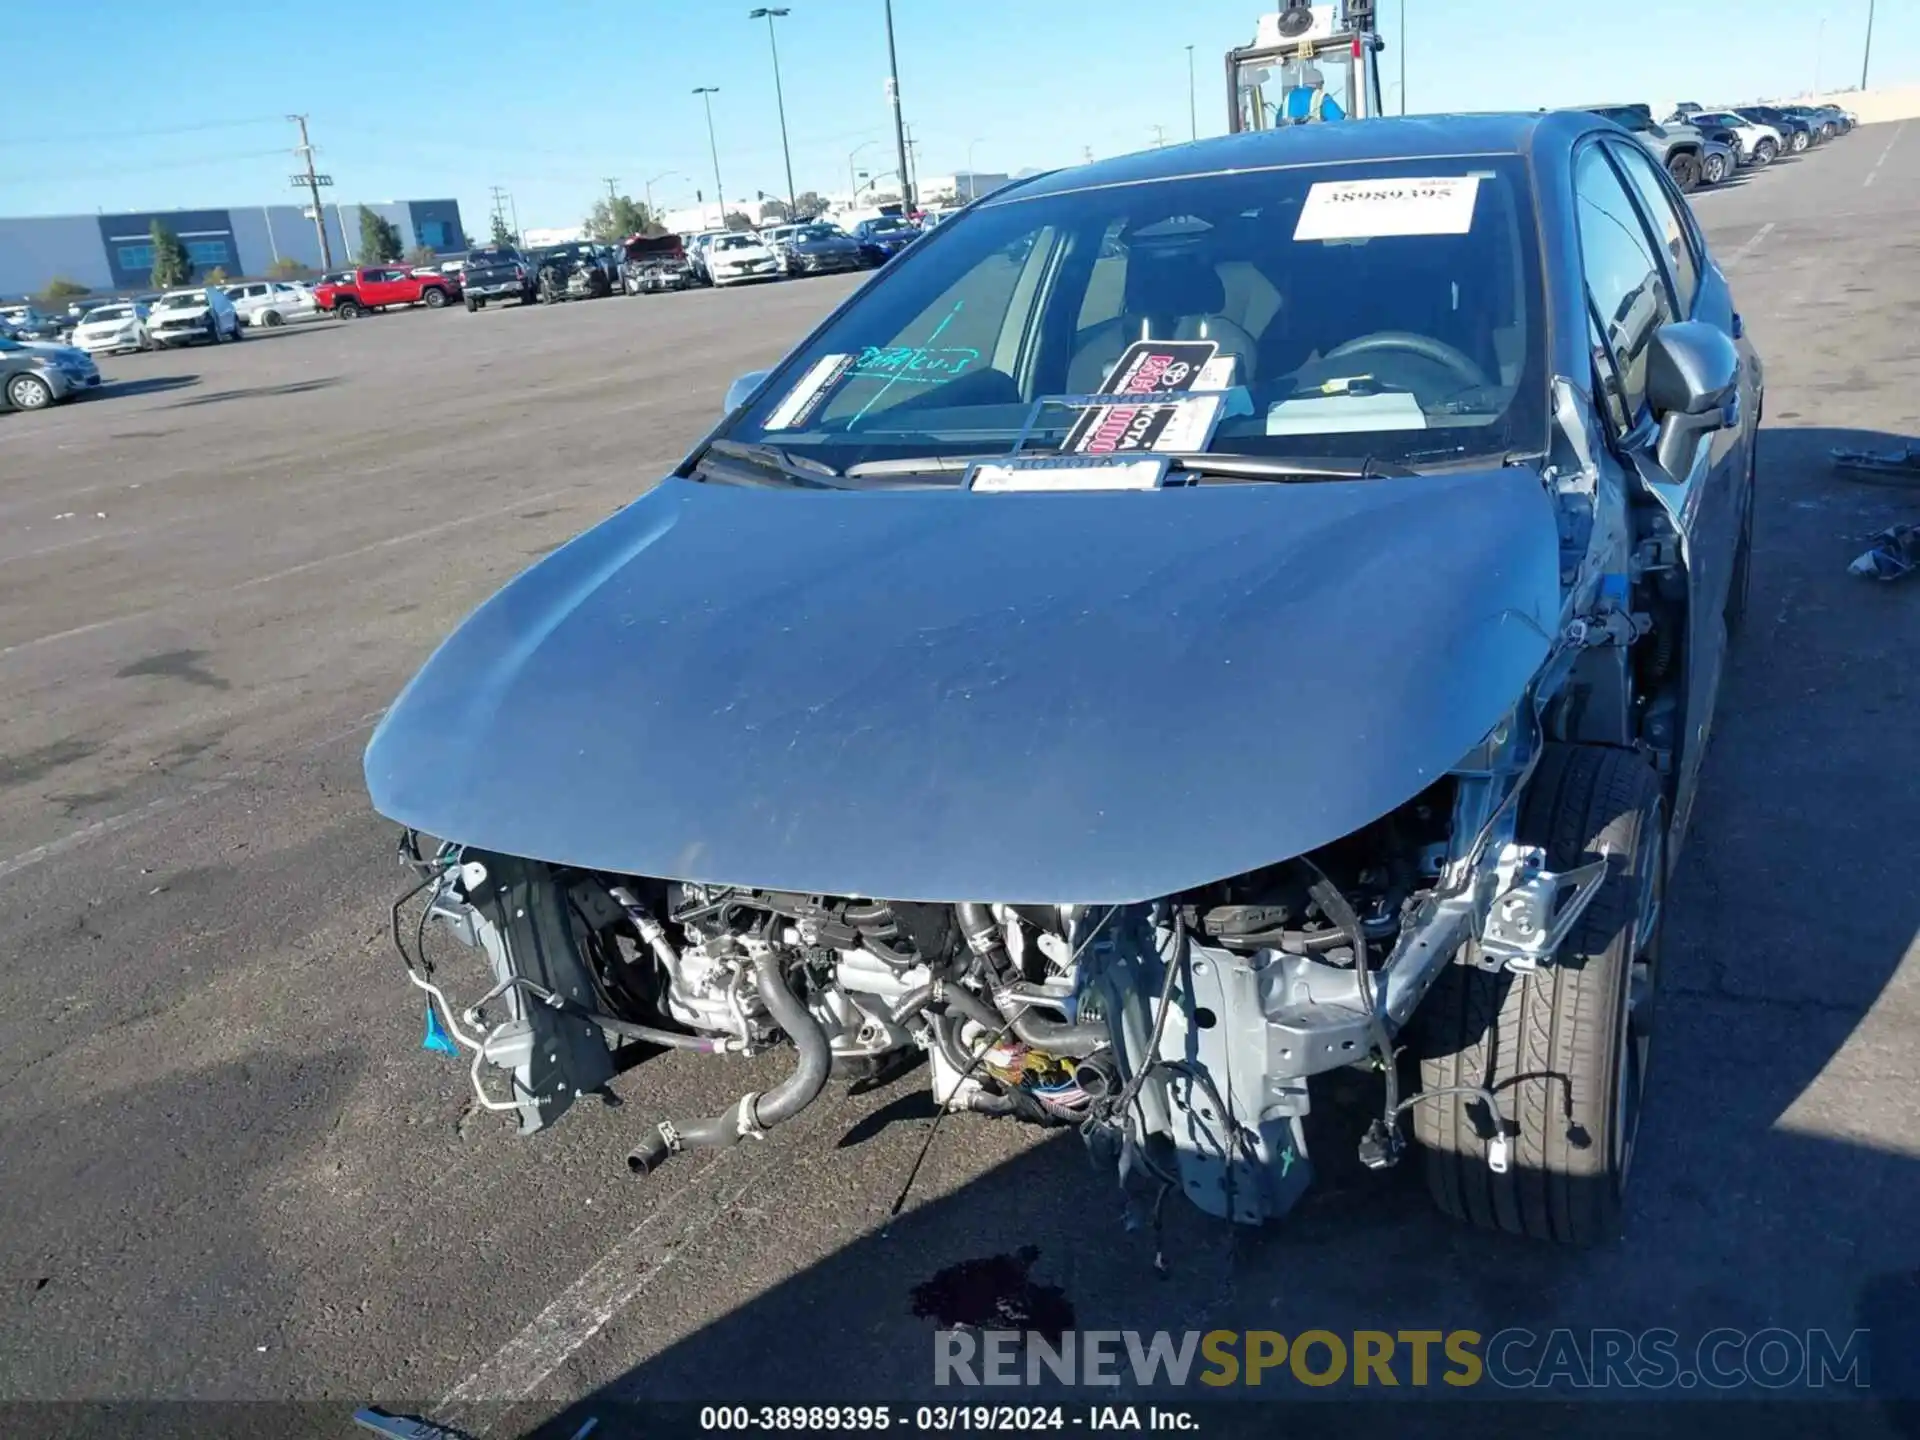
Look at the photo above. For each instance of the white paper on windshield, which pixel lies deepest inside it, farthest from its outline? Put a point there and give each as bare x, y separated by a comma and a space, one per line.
1007, 477
801, 401
1345, 414
1370, 209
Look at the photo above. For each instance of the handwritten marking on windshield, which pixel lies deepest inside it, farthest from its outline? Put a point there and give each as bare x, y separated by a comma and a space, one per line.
893, 380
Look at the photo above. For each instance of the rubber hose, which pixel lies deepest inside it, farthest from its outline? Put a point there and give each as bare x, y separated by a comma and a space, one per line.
911, 1004
752, 1112
983, 937
1076, 1039
964, 1001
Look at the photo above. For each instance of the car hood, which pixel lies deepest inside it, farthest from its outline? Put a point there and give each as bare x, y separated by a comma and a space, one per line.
181, 312
941, 695
831, 242
739, 253
104, 327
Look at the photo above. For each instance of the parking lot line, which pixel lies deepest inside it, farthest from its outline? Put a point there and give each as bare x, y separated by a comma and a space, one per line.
302, 568
1749, 246
1892, 140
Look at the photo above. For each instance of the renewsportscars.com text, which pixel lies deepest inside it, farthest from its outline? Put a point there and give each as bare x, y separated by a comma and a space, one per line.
1513, 1359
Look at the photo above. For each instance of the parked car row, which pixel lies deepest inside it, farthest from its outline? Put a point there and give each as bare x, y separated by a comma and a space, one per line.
1698, 146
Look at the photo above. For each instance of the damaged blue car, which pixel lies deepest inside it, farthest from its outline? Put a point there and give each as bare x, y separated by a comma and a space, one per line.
1193, 624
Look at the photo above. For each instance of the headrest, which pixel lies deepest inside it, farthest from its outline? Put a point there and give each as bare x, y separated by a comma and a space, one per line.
1173, 283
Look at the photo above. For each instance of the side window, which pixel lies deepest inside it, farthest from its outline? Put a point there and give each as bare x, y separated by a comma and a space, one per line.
1624, 281
1669, 225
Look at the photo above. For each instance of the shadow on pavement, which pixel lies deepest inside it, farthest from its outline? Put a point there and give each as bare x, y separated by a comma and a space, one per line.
121, 389
254, 392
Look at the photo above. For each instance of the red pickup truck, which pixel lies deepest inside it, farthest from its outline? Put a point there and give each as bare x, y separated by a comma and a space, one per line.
375, 287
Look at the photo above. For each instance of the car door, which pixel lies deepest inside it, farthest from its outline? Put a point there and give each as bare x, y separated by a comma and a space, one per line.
1643, 268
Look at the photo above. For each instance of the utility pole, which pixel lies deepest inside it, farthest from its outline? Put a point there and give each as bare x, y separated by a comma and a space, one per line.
1193, 115
611, 181
913, 165
653, 182
779, 100
1865, 55
305, 151
514, 211
1159, 136
706, 94
499, 205
899, 126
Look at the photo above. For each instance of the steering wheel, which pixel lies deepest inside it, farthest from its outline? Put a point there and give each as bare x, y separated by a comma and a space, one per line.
1406, 342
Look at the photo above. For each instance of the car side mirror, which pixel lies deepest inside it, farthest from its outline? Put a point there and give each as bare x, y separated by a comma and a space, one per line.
741, 390
1693, 386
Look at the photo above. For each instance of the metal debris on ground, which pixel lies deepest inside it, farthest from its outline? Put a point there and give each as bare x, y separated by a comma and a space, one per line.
1879, 467
405, 1427
1894, 552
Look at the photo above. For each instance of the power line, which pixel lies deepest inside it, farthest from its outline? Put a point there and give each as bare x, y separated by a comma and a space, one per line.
113, 171
67, 137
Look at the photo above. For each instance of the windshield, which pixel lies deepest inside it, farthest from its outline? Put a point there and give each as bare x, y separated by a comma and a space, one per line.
110, 314
734, 242
1386, 311
493, 257
191, 300
888, 222
817, 232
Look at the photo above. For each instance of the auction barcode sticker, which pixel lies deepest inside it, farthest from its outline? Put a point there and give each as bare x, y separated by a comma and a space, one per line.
1370, 209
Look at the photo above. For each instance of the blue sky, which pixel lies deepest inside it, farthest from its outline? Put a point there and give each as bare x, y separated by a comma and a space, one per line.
180, 103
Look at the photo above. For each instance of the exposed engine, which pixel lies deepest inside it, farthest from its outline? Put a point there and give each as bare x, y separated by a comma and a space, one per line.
1178, 1034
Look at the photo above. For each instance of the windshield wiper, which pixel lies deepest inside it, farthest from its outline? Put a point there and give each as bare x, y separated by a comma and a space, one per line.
1283, 468
771, 457
1196, 463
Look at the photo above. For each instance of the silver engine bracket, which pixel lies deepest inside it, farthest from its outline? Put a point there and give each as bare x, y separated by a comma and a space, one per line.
1534, 909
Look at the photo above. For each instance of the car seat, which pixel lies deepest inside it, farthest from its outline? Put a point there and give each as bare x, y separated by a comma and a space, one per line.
1168, 295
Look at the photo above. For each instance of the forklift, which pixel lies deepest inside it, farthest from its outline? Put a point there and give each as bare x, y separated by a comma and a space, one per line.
1307, 64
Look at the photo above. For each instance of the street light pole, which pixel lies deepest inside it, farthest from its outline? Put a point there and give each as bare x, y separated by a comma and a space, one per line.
853, 183
1867, 53
779, 99
651, 183
1193, 115
706, 94
899, 125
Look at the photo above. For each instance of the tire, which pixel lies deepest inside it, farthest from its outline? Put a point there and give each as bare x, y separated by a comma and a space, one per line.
349, 309
1685, 170
29, 392
472, 305
1565, 1048
1713, 169
433, 297
1764, 152
1799, 141
272, 320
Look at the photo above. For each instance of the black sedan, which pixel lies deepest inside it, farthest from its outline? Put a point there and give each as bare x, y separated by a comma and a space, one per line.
819, 249
1274, 588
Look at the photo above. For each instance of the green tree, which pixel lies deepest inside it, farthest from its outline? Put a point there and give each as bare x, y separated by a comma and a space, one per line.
501, 234
60, 289
379, 239
772, 209
171, 264
809, 203
288, 268
423, 255
619, 216
218, 276
738, 221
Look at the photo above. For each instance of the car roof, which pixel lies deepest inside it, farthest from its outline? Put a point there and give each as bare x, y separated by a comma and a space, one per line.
1396, 138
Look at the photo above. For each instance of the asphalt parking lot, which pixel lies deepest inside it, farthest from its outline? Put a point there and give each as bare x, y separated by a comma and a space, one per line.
230, 1171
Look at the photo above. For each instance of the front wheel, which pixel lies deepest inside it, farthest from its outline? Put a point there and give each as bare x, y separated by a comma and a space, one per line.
272, 320
29, 392
349, 310
433, 299
1685, 170
1713, 169
1764, 152
1799, 141
1564, 1048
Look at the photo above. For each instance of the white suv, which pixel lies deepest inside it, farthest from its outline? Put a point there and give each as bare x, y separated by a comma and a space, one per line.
269, 303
